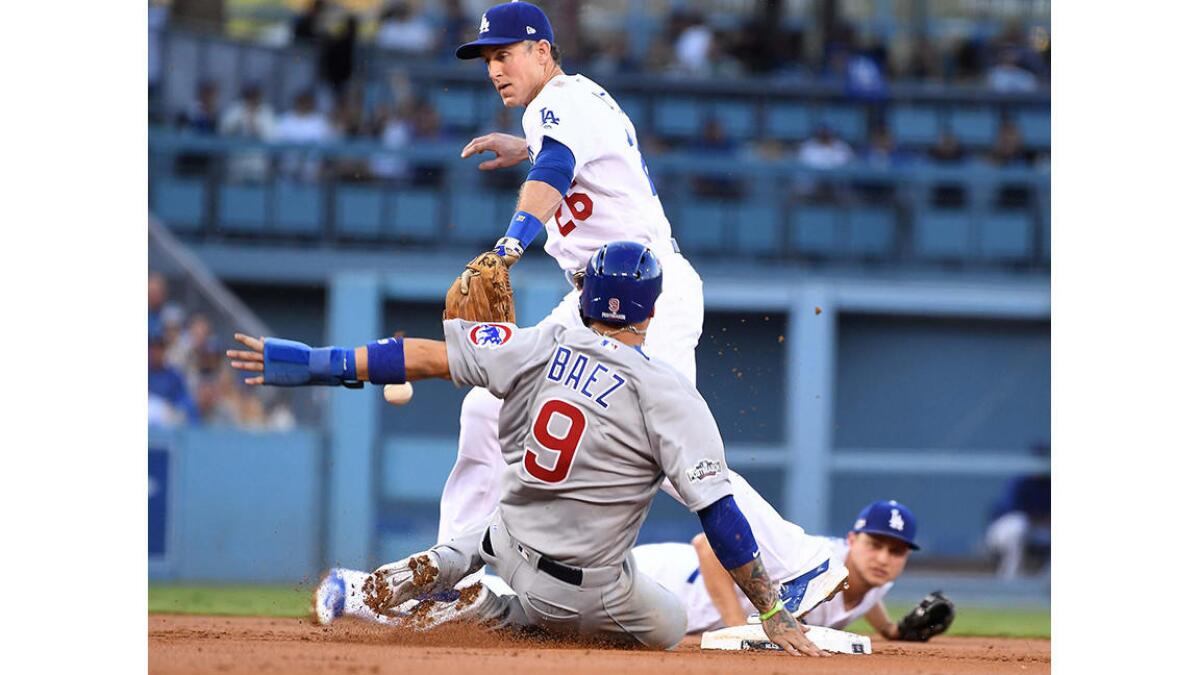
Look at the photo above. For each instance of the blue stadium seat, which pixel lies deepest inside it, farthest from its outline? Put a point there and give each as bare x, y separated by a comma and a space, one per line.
737, 118
242, 208
677, 117
914, 125
872, 231
701, 226
1044, 232
942, 234
414, 214
814, 229
848, 122
474, 218
1035, 127
1006, 235
358, 211
179, 202
456, 107
757, 229
298, 208
974, 126
788, 122
636, 109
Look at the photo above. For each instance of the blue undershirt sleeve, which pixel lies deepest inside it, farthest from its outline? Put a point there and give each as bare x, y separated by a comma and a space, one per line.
728, 533
554, 165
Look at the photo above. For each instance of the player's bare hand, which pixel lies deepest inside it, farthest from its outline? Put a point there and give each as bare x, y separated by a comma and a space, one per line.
510, 150
789, 635
248, 360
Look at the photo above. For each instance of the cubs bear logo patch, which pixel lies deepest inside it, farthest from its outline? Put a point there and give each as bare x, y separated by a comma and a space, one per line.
490, 335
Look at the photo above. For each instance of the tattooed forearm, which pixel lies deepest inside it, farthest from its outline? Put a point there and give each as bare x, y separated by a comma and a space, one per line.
753, 580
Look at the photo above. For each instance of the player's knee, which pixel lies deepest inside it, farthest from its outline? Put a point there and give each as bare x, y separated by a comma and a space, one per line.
671, 630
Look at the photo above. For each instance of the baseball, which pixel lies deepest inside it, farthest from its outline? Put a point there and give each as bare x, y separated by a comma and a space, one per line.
398, 394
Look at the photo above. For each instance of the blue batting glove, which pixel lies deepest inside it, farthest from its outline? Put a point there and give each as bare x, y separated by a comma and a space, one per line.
287, 363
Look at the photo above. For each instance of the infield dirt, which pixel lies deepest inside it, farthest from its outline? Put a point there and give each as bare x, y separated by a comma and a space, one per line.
210, 644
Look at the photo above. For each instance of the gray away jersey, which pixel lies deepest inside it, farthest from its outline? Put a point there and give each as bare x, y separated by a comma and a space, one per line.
588, 428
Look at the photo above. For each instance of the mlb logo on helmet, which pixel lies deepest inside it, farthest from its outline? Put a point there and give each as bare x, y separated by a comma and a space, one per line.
888, 518
490, 335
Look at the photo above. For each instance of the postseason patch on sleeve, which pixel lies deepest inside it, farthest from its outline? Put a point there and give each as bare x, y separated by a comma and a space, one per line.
490, 335
705, 468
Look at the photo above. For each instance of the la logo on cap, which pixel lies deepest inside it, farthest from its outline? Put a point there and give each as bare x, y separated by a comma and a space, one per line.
484, 25
896, 522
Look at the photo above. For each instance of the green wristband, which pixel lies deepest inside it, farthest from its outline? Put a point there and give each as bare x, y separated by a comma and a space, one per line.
773, 611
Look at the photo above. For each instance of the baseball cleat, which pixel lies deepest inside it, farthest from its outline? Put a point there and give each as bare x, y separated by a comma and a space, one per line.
396, 583
804, 593
823, 587
453, 605
329, 598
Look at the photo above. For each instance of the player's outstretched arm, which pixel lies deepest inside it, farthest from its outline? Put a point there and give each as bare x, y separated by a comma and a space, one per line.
878, 617
777, 622
734, 545
510, 150
285, 363
718, 583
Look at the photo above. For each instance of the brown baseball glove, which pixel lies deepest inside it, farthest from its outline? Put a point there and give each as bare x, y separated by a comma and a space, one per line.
482, 292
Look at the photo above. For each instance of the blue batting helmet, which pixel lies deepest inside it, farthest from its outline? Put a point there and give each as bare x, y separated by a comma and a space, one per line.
620, 284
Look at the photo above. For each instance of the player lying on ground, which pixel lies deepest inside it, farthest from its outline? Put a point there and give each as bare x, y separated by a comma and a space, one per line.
874, 552
589, 427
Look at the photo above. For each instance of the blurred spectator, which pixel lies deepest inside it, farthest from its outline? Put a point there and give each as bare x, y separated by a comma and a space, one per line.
822, 152
184, 352
172, 330
456, 28
303, 124
825, 151
402, 30
307, 27
252, 118
1010, 150
201, 116
1021, 521
157, 295
167, 385
1008, 76
714, 142
427, 128
881, 154
947, 152
394, 136
864, 78
695, 45
612, 57
337, 55
925, 62
203, 14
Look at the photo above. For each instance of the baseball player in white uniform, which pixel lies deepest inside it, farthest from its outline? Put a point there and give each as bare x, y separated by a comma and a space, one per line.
588, 185
590, 426
874, 553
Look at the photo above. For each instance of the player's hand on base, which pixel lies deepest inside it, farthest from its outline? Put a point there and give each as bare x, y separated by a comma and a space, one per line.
249, 361
510, 150
790, 635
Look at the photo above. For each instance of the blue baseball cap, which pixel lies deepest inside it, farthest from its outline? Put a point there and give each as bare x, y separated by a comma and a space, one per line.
508, 23
888, 518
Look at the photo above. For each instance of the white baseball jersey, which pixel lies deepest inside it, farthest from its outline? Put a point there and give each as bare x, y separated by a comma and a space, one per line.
588, 429
612, 196
786, 550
